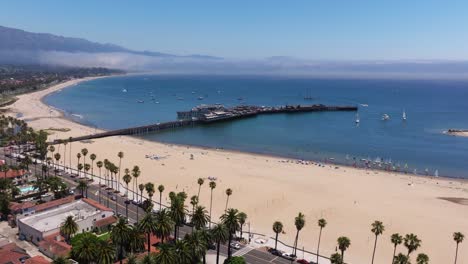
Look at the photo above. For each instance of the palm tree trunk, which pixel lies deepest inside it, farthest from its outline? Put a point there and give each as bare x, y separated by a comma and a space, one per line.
149, 243
160, 199
394, 252
342, 256
318, 246
229, 245
375, 246
211, 203
227, 200
241, 231
276, 240
217, 252
295, 242
456, 254
121, 253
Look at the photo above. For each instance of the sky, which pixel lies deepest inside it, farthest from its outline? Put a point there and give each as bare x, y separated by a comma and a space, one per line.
248, 29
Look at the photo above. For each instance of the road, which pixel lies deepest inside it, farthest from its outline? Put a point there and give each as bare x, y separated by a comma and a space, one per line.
120, 207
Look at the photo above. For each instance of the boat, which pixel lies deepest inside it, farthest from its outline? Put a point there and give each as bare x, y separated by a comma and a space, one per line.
140, 101
364, 105
200, 98
404, 115
240, 98
308, 95
156, 102
357, 119
124, 90
180, 98
385, 117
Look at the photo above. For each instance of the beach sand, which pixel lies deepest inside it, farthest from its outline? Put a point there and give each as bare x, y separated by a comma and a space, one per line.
268, 189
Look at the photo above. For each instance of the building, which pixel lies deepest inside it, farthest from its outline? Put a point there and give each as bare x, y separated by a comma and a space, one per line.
12, 254
37, 260
18, 177
37, 225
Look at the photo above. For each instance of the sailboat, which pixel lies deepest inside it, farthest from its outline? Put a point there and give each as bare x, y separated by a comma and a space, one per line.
124, 90
308, 95
357, 119
404, 115
385, 117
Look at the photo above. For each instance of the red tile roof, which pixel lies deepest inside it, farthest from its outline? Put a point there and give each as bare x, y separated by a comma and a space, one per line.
12, 173
54, 203
11, 253
57, 248
37, 260
96, 204
106, 221
16, 207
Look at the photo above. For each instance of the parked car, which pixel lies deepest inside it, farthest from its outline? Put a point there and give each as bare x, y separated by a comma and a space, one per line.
302, 261
275, 252
288, 256
235, 245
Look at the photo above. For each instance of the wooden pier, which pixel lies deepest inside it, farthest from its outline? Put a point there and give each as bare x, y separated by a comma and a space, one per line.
238, 112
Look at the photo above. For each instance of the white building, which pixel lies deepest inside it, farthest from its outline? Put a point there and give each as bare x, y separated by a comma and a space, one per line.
85, 212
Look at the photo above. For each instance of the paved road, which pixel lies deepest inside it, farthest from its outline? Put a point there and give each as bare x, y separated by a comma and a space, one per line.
100, 194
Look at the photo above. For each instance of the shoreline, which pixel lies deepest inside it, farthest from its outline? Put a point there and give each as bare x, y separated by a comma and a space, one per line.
268, 189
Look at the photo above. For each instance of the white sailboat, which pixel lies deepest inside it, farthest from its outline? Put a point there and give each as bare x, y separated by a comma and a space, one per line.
385, 117
357, 119
404, 115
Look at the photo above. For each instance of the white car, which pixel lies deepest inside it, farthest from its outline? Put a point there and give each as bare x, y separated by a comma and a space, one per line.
235, 245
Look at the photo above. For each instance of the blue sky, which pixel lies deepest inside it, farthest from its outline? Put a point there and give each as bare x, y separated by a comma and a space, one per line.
310, 29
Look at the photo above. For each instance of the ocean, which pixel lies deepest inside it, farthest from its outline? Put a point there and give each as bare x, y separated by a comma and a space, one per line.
432, 106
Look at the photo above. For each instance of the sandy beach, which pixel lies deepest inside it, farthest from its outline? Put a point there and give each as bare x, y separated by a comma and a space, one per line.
269, 189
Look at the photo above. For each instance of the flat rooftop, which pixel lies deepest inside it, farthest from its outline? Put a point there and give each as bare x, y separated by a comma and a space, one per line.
52, 219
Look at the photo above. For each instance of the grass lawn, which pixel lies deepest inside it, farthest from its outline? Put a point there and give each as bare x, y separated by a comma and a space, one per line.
104, 236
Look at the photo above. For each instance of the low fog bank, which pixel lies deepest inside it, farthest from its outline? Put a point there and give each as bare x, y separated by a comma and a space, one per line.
275, 66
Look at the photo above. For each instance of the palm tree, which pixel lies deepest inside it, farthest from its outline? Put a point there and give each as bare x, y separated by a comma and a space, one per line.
177, 210
335, 258
422, 259
200, 217
80, 168
131, 259
200, 182
57, 158
220, 235
78, 156
164, 224
377, 229
231, 220
68, 228
99, 164
65, 142
400, 259
136, 242
141, 187
93, 158
135, 174
299, 222
183, 250
148, 225
277, 228
166, 255
52, 150
87, 167
70, 140
60, 260
120, 235
120, 155
242, 219
458, 238
84, 152
106, 252
322, 223
343, 244
396, 239
83, 187
127, 178
149, 187
212, 186
412, 243
85, 250
228, 193
161, 190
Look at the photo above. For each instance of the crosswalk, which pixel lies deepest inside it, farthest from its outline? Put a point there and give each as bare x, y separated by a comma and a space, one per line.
243, 251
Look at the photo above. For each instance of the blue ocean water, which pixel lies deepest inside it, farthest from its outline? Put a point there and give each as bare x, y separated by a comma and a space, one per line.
431, 106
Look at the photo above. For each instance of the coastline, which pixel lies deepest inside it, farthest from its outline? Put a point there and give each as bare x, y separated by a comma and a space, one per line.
267, 188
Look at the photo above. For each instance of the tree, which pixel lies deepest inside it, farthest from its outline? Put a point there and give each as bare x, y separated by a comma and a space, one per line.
422, 259
299, 222
57, 158
85, 248
78, 156
412, 243
183, 250
220, 235
164, 224
335, 258
106, 252
193, 202
99, 164
166, 255
93, 158
343, 245
401, 259
68, 228
228, 193
277, 228
458, 238
242, 219
80, 168
120, 236
148, 225
235, 260
60, 260
127, 178
212, 186
84, 152
231, 220
135, 174
87, 167
83, 187
396, 240
377, 229
141, 187
322, 223
131, 259
200, 217
120, 155
200, 182
161, 190
136, 242
177, 210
